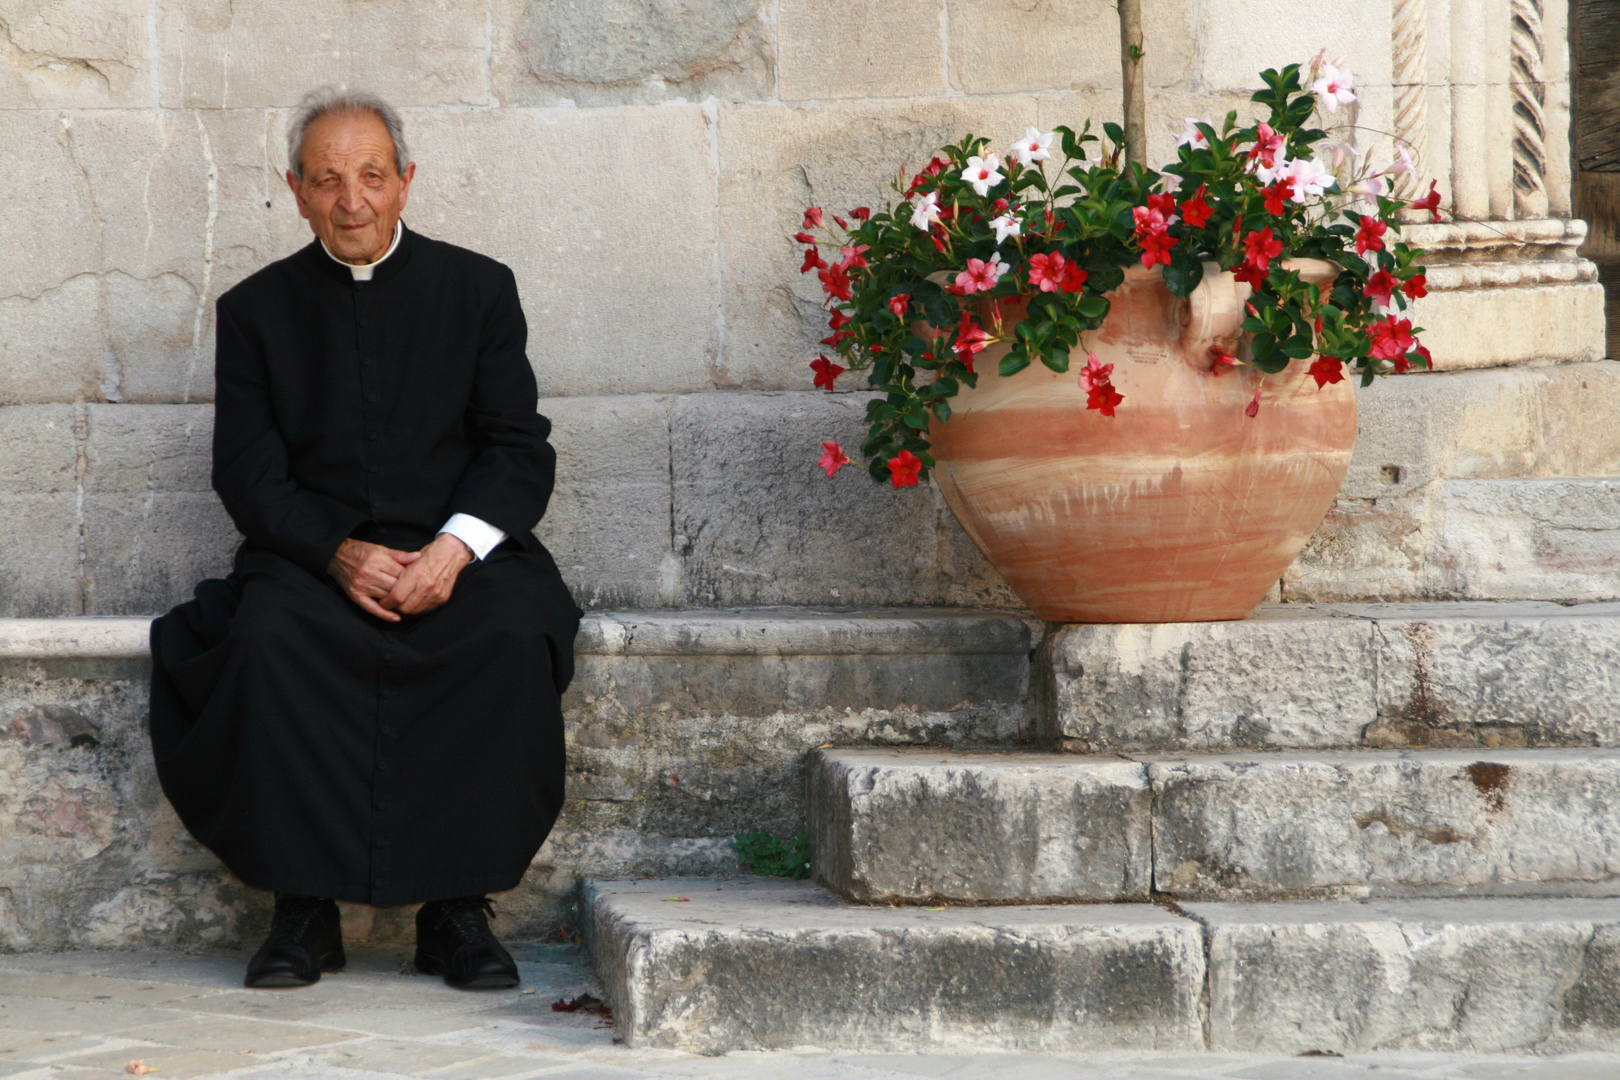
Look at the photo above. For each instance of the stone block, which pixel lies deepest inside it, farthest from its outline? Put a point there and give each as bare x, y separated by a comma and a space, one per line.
998, 48
1461, 674
75, 54
153, 525
1487, 327
223, 55
1553, 539
772, 965
166, 211
39, 546
1387, 823
860, 49
633, 52
1465, 976
1210, 685
621, 294
608, 524
931, 824
1240, 38
774, 162
757, 522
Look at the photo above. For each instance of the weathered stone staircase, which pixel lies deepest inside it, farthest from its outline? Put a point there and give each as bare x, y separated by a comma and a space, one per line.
1335, 828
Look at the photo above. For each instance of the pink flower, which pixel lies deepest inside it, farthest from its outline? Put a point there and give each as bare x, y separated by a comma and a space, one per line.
1152, 234
980, 276
899, 304
1220, 361
1254, 406
1095, 380
1333, 88
834, 457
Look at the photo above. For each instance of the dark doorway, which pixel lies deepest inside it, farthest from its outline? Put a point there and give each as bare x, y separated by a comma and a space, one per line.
1595, 33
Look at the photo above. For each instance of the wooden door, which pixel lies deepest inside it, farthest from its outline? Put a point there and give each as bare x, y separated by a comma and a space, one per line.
1595, 33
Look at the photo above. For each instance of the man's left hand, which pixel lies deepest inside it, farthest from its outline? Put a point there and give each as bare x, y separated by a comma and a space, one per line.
428, 582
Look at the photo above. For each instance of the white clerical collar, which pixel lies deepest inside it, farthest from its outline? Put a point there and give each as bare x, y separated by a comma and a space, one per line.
363, 273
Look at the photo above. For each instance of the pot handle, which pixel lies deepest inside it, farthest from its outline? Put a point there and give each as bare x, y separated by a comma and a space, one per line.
1215, 308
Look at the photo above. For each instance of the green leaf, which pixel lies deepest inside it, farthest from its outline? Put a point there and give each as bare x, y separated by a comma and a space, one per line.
1115, 133
942, 411
767, 855
1183, 274
1016, 360
1092, 306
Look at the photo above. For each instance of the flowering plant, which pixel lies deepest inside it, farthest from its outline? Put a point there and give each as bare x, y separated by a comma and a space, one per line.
1048, 239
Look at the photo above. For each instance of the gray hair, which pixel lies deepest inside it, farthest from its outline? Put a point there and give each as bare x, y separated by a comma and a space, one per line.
328, 100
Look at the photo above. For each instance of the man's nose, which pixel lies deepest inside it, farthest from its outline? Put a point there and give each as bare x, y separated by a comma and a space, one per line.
350, 198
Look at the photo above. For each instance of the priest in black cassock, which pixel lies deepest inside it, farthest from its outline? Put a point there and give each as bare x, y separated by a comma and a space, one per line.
366, 709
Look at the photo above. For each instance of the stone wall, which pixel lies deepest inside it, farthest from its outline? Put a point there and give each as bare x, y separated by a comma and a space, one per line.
641, 166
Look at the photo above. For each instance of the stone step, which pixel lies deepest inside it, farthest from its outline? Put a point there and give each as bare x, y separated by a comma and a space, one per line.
915, 825
684, 729
716, 966
1298, 676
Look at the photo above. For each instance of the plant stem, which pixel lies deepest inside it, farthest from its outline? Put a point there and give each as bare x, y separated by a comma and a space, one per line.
1130, 60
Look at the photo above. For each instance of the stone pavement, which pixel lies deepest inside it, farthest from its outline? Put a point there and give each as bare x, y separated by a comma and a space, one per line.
87, 1015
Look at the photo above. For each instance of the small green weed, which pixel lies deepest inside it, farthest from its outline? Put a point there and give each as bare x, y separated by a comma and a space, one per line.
767, 855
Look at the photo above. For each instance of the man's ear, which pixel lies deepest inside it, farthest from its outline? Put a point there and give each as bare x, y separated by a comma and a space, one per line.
298, 195
405, 183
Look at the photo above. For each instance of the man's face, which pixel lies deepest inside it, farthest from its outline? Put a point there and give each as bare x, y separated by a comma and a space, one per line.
351, 193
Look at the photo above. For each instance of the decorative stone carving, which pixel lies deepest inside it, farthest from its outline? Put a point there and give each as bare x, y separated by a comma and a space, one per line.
1529, 108
1408, 30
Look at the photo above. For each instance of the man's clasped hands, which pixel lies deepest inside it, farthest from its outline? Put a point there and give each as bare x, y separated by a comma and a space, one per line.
390, 584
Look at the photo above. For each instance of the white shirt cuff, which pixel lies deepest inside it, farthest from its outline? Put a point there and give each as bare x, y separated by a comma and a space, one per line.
476, 533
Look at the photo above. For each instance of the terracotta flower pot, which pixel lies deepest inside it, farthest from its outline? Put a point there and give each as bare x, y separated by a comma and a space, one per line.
1180, 508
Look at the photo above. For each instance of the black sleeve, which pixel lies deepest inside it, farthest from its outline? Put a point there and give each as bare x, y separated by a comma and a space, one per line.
250, 461
509, 480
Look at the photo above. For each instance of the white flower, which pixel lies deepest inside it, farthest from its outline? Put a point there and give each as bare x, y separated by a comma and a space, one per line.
1268, 175
926, 211
1006, 225
1191, 136
1032, 147
996, 267
1369, 190
1311, 178
982, 174
1333, 88
1402, 164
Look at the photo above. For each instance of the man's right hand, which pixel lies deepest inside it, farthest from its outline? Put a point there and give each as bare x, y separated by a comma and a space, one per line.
368, 572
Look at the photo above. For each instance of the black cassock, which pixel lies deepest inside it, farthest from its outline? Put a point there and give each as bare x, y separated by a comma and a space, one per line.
316, 749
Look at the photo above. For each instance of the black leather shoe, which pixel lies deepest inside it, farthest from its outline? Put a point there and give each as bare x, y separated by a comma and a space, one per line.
453, 939
306, 938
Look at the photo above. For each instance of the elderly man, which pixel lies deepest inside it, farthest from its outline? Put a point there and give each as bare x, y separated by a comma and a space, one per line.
367, 708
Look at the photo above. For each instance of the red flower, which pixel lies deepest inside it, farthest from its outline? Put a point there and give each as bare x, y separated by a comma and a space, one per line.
1254, 406
1430, 202
1221, 361
854, 258
1164, 203
1074, 278
1327, 369
970, 340
834, 458
812, 218
835, 282
832, 340
931, 170
903, 469
1260, 248
826, 372
899, 304
804, 238
1370, 237
1416, 286
1423, 351
1252, 275
1000, 206
839, 320
1095, 380
812, 261
1195, 211
860, 213
1277, 194
1380, 286
1391, 340
1266, 145
1152, 235
842, 224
